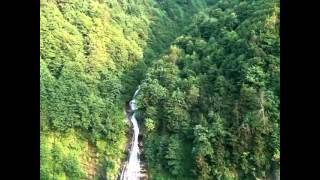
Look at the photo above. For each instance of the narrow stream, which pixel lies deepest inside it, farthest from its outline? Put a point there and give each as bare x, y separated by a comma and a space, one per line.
131, 170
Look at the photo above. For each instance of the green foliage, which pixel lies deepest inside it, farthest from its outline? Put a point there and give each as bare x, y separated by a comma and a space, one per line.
209, 99
149, 124
91, 62
86, 48
154, 91
174, 156
72, 168
218, 86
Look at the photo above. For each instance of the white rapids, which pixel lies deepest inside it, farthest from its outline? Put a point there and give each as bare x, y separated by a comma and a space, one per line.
132, 170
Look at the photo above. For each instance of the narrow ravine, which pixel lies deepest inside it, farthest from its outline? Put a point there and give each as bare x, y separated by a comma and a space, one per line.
131, 170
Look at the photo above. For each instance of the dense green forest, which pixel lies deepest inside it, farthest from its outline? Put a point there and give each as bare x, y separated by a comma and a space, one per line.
209, 71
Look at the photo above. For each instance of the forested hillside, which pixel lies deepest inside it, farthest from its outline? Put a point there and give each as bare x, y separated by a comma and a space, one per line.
210, 87
91, 61
210, 106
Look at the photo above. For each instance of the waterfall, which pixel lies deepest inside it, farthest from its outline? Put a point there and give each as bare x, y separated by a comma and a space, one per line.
132, 170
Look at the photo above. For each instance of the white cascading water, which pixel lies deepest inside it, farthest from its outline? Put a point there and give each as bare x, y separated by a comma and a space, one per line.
132, 170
